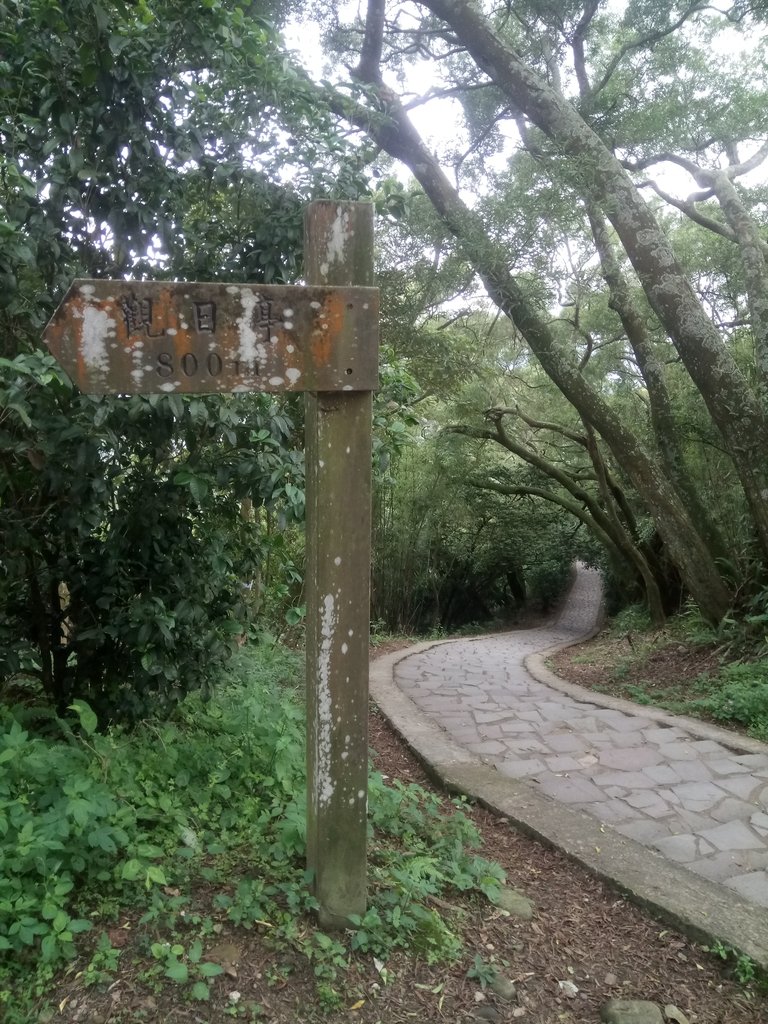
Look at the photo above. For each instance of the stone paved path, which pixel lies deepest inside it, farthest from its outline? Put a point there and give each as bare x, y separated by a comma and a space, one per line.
700, 802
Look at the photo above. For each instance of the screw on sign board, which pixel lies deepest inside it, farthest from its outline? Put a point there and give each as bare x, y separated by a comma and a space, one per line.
144, 337
124, 338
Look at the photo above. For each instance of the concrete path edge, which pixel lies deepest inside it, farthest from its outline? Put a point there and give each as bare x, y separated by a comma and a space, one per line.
536, 664
701, 909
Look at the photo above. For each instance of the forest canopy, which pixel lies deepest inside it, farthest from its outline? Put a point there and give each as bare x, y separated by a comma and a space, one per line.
644, 311
575, 314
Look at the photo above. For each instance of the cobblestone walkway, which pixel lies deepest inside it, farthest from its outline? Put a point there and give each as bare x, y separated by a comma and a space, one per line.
699, 802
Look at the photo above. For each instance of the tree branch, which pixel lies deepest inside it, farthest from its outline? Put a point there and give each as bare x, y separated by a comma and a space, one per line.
712, 367
561, 500
497, 412
577, 45
702, 175
687, 207
648, 40
369, 68
441, 94
736, 170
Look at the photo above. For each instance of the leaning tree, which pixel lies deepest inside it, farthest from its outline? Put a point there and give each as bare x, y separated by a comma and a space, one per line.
592, 102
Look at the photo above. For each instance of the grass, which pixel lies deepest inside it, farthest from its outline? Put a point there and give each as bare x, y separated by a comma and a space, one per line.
147, 862
663, 668
94, 826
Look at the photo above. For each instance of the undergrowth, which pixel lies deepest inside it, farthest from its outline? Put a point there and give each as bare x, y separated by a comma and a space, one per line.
736, 694
93, 824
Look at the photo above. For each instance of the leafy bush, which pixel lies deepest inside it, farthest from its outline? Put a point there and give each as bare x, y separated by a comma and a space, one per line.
86, 813
124, 547
633, 619
739, 694
447, 554
548, 578
94, 822
439, 856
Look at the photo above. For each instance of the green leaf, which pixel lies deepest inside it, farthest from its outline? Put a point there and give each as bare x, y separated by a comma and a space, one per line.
155, 875
102, 839
177, 971
88, 719
49, 948
232, 628
132, 869
200, 991
295, 615
80, 925
60, 921
198, 488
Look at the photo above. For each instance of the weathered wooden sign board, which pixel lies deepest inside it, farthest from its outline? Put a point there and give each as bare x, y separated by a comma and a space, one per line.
146, 337
120, 337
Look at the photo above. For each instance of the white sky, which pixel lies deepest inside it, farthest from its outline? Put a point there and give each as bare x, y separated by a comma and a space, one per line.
439, 121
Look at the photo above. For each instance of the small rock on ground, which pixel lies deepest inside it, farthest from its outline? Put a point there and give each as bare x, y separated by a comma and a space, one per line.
631, 1011
515, 903
503, 987
489, 1013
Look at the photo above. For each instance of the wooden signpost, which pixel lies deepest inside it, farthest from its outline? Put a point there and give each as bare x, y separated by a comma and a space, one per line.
147, 337
126, 337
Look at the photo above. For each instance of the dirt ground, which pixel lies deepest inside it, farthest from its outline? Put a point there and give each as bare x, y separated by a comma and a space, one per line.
584, 945
610, 664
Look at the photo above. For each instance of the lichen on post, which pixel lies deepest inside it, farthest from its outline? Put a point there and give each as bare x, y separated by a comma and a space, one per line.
338, 251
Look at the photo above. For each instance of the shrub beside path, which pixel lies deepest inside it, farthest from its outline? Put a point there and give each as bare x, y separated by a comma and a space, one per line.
672, 810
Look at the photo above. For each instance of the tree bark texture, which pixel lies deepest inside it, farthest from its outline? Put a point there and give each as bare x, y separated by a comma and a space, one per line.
732, 404
663, 422
395, 134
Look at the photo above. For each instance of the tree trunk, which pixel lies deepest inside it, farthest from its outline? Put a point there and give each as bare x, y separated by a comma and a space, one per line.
628, 545
602, 520
628, 559
665, 427
689, 553
751, 249
733, 406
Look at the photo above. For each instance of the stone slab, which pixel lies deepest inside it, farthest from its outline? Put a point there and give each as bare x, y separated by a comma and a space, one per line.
575, 822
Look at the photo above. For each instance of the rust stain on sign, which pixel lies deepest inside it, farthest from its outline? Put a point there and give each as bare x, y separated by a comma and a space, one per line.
134, 337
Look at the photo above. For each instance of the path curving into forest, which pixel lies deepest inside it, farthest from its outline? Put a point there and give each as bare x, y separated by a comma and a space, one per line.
672, 810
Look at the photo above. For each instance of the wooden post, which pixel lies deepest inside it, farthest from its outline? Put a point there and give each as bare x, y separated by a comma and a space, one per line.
338, 250
143, 337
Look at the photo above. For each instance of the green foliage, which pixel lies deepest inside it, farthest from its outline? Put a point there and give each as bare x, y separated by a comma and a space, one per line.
647, 84
447, 554
124, 547
482, 971
146, 139
548, 576
744, 968
103, 963
440, 857
147, 133
739, 693
120, 814
94, 822
186, 966
735, 694
633, 619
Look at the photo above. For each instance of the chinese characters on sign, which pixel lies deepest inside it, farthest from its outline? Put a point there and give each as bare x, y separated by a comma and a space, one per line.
137, 314
138, 319
205, 317
140, 337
